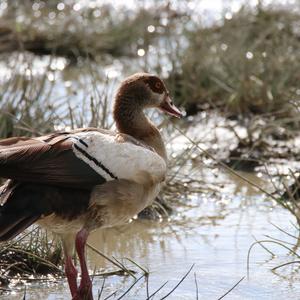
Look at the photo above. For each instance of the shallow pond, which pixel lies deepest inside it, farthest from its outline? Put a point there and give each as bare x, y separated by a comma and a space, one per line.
212, 234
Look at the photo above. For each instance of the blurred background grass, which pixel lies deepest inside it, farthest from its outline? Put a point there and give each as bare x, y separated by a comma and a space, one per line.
243, 62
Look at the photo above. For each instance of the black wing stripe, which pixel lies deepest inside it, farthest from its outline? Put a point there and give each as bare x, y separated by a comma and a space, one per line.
95, 161
83, 143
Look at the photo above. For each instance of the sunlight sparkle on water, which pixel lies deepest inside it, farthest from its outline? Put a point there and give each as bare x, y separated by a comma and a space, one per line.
141, 52
3, 6
52, 15
51, 76
60, 6
62, 128
97, 13
28, 72
77, 7
151, 28
228, 16
37, 14
35, 6
58, 64
113, 71
249, 55
68, 83
224, 47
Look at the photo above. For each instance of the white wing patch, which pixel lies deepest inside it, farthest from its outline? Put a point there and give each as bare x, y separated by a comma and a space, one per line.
112, 159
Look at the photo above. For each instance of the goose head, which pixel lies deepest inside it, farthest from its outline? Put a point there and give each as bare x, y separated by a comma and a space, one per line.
159, 96
142, 90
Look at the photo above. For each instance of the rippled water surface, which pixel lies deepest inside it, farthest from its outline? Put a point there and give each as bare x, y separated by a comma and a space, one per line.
212, 234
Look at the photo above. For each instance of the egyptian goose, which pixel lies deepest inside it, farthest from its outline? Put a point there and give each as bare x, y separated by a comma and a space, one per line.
74, 182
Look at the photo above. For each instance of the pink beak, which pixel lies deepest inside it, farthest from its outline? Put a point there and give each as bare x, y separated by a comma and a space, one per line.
169, 108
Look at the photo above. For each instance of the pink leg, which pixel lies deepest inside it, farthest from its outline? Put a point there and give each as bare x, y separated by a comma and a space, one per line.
85, 288
71, 274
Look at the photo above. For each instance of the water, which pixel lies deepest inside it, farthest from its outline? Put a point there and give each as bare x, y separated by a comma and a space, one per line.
213, 234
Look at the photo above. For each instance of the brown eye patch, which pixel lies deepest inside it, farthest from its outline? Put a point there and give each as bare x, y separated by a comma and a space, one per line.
155, 84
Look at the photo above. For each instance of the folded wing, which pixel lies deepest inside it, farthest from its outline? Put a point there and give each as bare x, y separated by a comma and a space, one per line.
78, 159
47, 160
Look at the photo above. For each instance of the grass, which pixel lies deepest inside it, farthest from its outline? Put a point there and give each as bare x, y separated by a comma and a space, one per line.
29, 104
289, 194
76, 31
245, 64
292, 249
34, 253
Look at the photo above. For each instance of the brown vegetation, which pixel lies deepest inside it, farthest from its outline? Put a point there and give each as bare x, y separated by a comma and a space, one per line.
246, 64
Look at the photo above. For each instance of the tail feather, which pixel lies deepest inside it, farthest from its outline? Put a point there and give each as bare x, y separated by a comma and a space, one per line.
16, 210
9, 230
21, 204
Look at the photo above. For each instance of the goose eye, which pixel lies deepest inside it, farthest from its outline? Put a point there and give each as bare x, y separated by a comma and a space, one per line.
158, 85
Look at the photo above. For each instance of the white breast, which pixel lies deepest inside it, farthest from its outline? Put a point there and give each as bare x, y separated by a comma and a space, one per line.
113, 159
